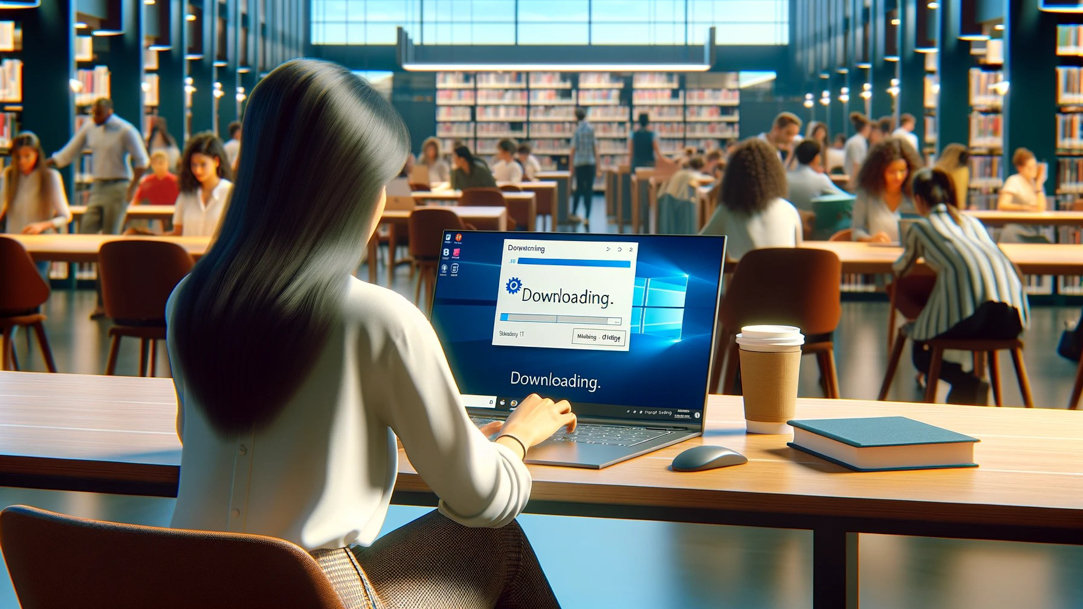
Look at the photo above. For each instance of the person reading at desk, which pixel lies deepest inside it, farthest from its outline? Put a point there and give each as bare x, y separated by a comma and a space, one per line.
977, 294
883, 191
295, 379
33, 198
469, 171
507, 167
1023, 191
204, 189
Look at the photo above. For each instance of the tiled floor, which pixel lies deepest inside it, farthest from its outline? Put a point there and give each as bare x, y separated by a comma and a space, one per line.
616, 563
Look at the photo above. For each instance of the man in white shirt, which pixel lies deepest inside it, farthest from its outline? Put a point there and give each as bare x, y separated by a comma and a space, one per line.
233, 146
853, 155
906, 130
807, 181
506, 168
784, 132
112, 141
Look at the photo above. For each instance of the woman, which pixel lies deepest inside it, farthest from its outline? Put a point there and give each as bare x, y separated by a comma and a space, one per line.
883, 191
432, 160
294, 379
34, 200
1024, 191
204, 188
160, 139
817, 132
469, 171
753, 213
954, 161
977, 295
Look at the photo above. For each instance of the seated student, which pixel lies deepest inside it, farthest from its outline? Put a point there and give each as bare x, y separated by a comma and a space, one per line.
752, 212
32, 196
977, 295
159, 187
835, 156
295, 380
808, 181
677, 199
530, 163
204, 188
433, 161
883, 191
784, 131
469, 171
1023, 191
507, 168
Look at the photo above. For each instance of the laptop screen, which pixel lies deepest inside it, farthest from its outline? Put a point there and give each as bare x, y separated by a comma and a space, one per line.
620, 325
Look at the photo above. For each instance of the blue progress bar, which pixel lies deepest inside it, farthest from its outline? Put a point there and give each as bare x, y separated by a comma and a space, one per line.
624, 264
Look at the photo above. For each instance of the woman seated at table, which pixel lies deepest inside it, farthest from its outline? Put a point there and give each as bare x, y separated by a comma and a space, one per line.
294, 379
1023, 191
469, 171
33, 197
978, 293
432, 160
883, 191
752, 212
204, 189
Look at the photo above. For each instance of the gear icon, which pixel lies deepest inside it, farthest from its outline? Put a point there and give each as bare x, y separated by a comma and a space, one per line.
513, 285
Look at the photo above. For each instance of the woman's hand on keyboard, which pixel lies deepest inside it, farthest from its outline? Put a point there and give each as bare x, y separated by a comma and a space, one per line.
536, 418
491, 428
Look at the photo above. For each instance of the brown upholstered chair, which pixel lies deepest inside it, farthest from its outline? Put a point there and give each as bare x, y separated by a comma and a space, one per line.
60, 561
846, 234
788, 286
988, 347
426, 226
22, 291
482, 197
419, 187
511, 188
138, 275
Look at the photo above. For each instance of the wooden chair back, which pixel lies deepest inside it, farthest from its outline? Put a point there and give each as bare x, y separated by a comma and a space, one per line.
138, 275
482, 197
21, 286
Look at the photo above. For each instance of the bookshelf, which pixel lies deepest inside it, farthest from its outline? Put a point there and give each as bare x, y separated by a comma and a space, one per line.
931, 96
150, 88
551, 118
986, 133
11, 82
1069, 119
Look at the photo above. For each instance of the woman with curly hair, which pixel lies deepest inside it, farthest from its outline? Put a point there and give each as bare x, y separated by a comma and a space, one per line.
883, 190
753, 213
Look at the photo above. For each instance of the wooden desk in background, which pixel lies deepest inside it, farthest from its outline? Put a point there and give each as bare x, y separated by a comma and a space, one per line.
1039, 218
521, 205
117, 435
84, 248
1031, 258
135, 212
563, 178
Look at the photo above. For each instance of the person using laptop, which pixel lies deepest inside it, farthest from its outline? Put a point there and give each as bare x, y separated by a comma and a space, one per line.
294, 379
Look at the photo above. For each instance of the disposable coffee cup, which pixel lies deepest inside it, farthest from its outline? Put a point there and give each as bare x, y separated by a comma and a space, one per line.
770, 363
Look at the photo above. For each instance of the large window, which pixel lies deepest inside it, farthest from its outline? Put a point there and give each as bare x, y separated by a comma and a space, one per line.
559, 22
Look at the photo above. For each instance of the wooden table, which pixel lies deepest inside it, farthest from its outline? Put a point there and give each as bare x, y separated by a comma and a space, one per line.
84, 248
1042, 218
563, 178
545, 192
1031, 258
117, 434
522, 205
134, 212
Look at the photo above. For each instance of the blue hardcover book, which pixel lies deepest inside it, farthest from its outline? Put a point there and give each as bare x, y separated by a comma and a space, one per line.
870, 444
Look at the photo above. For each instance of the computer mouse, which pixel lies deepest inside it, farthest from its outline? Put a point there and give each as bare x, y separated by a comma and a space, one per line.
708, 456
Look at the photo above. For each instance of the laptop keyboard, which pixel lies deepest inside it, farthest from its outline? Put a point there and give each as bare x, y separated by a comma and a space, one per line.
597, 433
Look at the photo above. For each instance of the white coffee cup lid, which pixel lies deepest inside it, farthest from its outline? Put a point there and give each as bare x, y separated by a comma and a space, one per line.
770, 336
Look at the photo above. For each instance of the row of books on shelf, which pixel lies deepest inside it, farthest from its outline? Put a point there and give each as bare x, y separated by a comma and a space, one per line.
454, 129
982, 91
722, 97
557, 97
11, 81
599, 96
1070, 40
499, 130
8, 128
454, 97
598, 80
661, 113
985, 172
452, 113
555, 80
1070, 176
710, 113
92, 84
655, 80
715, 130
658, 96
494, 96
986, 130
1069, 85
932, 90
1070, 132
501, 113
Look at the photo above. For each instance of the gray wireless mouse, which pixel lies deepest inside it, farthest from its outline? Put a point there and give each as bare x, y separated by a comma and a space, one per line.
699, 458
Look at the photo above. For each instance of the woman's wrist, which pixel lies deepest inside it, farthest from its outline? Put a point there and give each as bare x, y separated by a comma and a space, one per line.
513, 442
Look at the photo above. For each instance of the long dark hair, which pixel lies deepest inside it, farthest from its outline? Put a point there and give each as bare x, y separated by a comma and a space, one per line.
870, 177
464, 153
754, 177
206, 144
251, 319
158, 126
935, 186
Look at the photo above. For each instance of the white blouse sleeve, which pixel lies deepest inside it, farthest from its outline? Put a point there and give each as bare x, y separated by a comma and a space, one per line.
479, 483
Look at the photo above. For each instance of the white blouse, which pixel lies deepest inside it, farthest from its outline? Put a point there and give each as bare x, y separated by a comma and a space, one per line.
778, 225
30, 204
507, 171
196, 218
320, 474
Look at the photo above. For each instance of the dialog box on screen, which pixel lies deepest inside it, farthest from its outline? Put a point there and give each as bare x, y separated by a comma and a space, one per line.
565, 294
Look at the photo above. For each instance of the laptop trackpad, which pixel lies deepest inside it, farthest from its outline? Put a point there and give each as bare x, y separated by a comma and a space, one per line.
576, 454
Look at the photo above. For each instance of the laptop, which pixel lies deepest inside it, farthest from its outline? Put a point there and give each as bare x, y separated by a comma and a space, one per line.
622, 326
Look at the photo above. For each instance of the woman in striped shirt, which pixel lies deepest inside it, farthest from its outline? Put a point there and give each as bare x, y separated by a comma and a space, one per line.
978, 294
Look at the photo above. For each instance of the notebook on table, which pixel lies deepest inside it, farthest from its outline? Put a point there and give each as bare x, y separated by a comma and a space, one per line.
883, 443
622, 326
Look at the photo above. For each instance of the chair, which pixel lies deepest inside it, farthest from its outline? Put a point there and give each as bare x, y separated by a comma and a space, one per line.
511, 188
790, 286
61, 561
22, 292
846, 234
938, 346
1077, 388
137, 276
419, 187
425, 227
482, 197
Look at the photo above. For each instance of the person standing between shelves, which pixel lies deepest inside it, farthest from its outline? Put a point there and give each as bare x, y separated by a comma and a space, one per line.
585, 161
1024, 191
161, 139
954, 161
977, 291
784, 131
906, 130
233, 146
112, 142
530, 163
506, 168
34, 200
856, 148
469, 171
643, 148
432, 160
